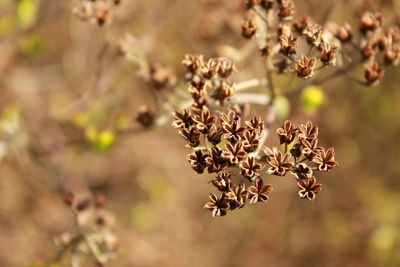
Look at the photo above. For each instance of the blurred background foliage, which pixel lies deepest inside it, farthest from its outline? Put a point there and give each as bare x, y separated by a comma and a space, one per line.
60, 135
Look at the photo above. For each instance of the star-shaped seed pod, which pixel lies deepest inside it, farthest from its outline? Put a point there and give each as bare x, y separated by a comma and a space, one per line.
328, 52
286, 9
325, 159
255, 124
209, 69
373, 73
193, 62
309, 188
191, 135
251, 141
215, 162
344, 33
198, 161
250, 168
233, 132
217, 205
228, 118
301, 24
305, 67
288, 44
258, 192
234, 153
392, 54
222, 181
183, 119
204, 120
313, 34
197, 92
302, 171
279, 163
214, 135
225, 67
308, 131
146, 117
370, 21
287, 133
249, 28
295, 151
310, 148
237, 196
225, 89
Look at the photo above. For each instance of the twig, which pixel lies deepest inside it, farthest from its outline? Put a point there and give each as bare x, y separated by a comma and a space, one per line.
258, 12
259, 99
253, 83
323, 80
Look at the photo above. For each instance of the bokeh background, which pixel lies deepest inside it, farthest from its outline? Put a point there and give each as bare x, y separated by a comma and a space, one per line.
62, 82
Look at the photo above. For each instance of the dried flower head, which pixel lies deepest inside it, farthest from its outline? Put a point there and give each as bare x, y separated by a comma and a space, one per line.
249, 28
233, 131
214, 135
308, 131
305, 67
259, 192
93, 228
191, 136
236, 196
215, 162
325, 159
161, 77
230, 148
250, 168
217, 205
251, 141
204, 120
183, 119
287, 132
279, 163
373, 73
313, 34
301, 24
328, 52
193, 62
286, 9
309, 188
302, 171
222, 181
234, 153
392, 54
288, 44
145, 117
310, 148
344, 33
197, 160
255, 124
370, 21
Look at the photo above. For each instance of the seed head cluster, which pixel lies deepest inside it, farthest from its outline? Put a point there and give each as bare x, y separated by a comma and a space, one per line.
379, 45
281, 37
94, 235
231, 148
98, 12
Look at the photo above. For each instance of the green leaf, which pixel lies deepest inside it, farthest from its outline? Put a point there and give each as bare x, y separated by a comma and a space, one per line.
27, 12
311, 98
